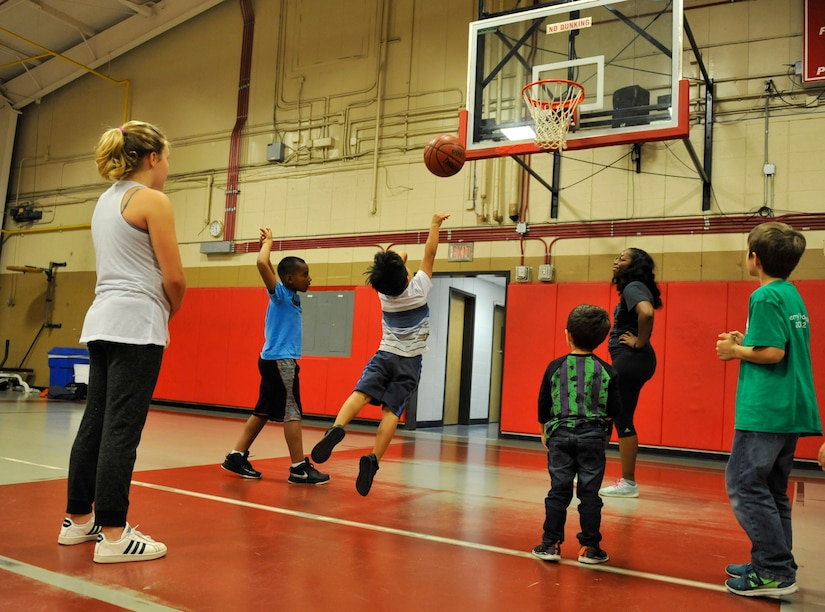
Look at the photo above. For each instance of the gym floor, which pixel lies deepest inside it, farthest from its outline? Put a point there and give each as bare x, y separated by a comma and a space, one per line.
448, 525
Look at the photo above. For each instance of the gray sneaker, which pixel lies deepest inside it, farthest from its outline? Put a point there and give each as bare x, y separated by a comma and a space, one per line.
622, 488
305, 473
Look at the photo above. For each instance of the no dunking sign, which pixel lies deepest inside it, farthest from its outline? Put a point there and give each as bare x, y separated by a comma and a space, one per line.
813, 66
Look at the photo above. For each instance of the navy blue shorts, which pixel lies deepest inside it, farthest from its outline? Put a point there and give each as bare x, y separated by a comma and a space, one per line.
390, 380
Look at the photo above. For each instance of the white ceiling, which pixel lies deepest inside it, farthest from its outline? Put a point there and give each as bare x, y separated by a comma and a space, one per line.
45, 44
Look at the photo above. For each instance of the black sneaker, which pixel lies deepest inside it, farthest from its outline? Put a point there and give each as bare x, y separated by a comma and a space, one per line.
548, 552
306, 474
323, 449
238, 463
367, 468
592, 555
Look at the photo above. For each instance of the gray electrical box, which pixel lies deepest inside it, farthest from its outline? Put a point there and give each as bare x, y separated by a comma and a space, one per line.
275, 152
225, 246
327, 322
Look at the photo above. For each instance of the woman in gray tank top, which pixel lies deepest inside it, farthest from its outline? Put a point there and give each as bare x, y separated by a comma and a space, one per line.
140, 285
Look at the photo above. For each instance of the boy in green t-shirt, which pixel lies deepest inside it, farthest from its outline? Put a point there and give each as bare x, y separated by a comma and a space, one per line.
775, 405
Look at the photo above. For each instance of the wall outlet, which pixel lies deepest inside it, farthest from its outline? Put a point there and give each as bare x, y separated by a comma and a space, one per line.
546, 273
523, 274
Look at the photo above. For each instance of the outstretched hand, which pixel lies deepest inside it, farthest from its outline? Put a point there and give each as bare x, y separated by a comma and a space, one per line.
266, 234
439, 218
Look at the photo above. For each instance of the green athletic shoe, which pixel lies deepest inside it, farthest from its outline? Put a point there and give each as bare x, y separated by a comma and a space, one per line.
751, 585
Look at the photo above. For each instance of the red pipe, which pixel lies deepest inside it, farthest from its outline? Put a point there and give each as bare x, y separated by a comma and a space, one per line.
232, 189
739, 224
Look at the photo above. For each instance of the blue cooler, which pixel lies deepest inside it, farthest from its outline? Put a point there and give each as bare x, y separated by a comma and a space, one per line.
62, 360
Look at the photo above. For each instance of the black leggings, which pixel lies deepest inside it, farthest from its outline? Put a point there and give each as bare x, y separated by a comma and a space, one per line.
635, 367
122, 379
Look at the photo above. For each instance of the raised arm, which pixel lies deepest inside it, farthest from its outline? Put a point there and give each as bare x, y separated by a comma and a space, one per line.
265, 269
431, 246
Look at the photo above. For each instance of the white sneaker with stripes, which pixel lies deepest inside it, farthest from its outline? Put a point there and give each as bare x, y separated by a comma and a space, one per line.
71, 533
132, 546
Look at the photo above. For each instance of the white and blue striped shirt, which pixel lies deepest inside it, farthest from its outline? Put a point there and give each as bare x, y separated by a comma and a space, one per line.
406, 318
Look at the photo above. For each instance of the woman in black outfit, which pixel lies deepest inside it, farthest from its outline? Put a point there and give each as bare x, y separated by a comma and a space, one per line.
632, 354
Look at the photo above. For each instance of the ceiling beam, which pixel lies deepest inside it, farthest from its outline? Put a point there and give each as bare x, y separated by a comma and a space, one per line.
137, 8
113, 42
70, 21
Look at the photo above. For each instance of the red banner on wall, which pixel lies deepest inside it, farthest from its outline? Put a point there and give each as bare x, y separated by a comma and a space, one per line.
813, 66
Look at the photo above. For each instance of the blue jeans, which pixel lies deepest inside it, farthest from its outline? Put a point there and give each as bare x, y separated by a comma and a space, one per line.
756, 479
571, 453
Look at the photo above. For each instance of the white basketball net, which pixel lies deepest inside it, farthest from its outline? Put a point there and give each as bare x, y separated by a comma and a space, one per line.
552, 104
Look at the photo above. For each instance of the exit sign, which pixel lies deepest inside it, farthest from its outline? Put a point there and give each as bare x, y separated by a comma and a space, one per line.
460, 251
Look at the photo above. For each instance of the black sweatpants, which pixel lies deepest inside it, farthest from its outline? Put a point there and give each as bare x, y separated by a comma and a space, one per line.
122, 378
635, 368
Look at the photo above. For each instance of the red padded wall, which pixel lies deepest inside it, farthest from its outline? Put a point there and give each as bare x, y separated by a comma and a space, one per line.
693, 377
529, 340
217, 338
736, 312
689, 403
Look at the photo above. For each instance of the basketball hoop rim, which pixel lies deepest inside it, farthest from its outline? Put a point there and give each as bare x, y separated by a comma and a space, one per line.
573, 102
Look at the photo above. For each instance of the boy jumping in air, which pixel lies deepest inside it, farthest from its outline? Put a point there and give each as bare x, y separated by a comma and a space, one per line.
392, 374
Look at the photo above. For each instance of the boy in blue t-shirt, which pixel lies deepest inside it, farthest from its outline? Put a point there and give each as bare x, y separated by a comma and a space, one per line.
279, 397
775, 405
392, 374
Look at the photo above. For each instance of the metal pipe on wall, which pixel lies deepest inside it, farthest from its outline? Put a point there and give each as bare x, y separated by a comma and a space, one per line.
680, 226
379, 103
232, 187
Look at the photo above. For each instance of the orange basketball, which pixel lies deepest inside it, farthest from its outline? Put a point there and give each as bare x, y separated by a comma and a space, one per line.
444, 155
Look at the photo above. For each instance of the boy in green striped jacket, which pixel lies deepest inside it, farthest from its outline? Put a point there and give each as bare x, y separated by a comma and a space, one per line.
578, 396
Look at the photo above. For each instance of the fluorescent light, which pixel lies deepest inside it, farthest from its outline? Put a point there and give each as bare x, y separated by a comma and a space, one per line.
521, 132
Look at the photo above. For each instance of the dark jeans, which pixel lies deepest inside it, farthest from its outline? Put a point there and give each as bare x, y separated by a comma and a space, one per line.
569, 454
122, 379
757, 482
